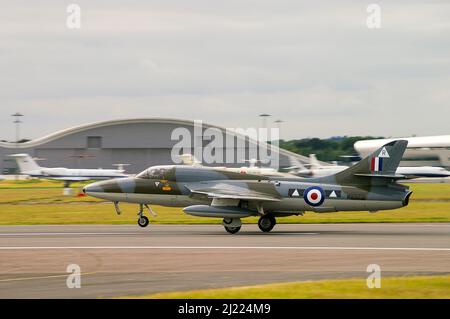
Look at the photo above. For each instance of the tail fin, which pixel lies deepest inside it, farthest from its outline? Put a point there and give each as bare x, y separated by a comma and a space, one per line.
296, 165
382, 163
25, 162
314, 161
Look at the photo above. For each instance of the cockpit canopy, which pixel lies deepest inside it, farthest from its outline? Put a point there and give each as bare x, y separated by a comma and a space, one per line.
156, 172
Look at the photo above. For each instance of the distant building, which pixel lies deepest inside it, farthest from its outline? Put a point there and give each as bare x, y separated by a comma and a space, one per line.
421, 151
138, 142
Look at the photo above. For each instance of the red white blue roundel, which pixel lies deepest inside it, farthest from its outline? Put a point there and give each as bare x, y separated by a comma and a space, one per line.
314, 196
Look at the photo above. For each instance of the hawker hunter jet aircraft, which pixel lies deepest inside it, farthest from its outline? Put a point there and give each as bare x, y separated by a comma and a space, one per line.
369, 185
28, 166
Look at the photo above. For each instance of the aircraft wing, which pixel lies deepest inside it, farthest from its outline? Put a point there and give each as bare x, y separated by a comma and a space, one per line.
227, 191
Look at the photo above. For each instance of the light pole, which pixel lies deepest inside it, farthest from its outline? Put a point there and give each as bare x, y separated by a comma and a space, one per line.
264, 117
278, 123
17, 121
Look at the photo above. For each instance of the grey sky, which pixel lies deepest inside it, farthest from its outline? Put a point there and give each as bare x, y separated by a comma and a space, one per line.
313, 64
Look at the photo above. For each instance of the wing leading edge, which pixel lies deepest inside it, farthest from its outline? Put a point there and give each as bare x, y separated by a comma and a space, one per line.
227, 191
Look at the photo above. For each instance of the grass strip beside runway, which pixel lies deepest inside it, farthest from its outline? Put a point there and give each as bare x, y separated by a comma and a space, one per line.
100, 213
408, 287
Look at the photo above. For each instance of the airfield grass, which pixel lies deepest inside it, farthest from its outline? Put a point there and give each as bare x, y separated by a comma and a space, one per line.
34, 202
407, 287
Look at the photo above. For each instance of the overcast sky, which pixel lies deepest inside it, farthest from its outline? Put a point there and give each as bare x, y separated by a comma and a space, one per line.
313, 64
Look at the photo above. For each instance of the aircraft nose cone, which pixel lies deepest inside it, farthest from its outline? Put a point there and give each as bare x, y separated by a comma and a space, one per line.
93, 188
117, 185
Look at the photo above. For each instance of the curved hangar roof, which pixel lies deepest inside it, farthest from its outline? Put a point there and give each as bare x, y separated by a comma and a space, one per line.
156, 138
85, 127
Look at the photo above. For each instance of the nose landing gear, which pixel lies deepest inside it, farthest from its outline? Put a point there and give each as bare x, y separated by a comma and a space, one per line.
143, 220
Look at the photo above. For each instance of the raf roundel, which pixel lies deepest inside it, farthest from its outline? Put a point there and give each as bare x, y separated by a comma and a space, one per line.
314, 196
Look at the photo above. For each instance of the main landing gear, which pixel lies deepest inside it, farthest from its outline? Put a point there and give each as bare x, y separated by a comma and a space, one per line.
266, 223
143, 220
232, 225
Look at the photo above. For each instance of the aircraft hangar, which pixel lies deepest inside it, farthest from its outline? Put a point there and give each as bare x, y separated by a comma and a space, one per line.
139, 142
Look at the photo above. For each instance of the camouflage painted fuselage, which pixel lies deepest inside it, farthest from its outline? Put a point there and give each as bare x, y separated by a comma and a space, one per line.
186, 185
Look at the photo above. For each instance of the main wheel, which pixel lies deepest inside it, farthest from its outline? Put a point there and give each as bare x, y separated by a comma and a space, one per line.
232, 230
143, 221
267, 223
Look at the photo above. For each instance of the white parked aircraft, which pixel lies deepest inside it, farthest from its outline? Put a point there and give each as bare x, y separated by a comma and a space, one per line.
257, 170
314, 169
318, 170
28, 166
423, 171
189, 159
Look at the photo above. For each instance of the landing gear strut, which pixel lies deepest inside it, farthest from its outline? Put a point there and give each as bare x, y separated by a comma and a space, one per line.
143, 220
266, 223
232, 225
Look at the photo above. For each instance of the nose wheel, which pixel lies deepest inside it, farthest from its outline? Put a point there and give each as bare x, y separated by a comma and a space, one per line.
142, 220
266, 223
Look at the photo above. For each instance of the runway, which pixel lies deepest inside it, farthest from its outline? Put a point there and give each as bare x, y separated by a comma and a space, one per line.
120, 260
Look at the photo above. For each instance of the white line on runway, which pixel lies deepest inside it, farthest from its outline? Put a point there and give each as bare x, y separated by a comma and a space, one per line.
66, 233
226, 248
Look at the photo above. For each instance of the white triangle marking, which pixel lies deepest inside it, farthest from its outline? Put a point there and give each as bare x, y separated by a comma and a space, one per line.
333, 194
157, 184
384, 153
295, 193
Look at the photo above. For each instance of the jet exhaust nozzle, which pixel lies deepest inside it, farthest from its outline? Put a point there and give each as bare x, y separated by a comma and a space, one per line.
406, 199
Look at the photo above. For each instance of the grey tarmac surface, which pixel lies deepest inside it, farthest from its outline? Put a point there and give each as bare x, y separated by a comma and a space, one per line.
120, 260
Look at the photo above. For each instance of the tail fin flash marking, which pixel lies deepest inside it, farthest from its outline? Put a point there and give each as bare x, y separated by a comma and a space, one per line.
376, 164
